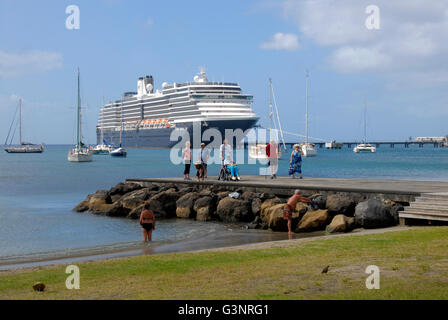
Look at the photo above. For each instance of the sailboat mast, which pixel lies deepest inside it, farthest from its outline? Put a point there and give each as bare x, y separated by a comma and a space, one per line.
365, 120
102, 120
78, 118
271, 111
20, 121
306, 108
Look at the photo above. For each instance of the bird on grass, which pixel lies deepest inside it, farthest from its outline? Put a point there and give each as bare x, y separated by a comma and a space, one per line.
325, 270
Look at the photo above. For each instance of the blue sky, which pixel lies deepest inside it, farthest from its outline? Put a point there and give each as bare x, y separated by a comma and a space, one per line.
402, 68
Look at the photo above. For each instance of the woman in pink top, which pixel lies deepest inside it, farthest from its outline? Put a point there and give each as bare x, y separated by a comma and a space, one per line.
187, 155
291, 206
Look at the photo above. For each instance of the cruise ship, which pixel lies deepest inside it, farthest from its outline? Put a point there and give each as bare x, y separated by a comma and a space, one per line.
147, 117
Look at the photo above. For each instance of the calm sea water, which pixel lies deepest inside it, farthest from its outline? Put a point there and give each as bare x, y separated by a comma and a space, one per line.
38, 191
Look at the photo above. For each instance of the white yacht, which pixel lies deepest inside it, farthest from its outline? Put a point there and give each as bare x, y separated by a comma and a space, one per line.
103, 147
308, 149
23, 147
79, 153
258, 151
364, 147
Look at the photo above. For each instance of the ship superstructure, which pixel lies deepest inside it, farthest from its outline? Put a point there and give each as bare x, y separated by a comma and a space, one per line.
148, 116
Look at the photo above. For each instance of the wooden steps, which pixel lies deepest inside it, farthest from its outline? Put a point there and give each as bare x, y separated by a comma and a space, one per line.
428, 206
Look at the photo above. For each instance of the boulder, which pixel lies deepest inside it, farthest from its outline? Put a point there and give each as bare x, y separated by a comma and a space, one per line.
248, 195
340, 203
116, 210
136, 198
82, 206
163, 204
256, 206
301, 208
313, 220
135, 213
184, 205
205, 208
123, 188
264, 208
205, 192
319, 200
234, 210
341, 223
373, 214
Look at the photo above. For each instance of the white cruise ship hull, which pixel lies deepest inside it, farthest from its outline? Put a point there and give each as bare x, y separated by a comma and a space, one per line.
160, 138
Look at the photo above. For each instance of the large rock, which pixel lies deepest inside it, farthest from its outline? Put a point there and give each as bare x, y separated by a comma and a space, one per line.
184, 206
313, 220
163, 204
136, 198
276, 220
256, 206
319, 200
340, 203
123, 188
265, 207
301, 208
205, 208
135, 213
341, 223
82, 206
373, 214
234, 210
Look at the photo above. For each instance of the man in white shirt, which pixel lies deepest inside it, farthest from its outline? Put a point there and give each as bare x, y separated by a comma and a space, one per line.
226, 153
204, 155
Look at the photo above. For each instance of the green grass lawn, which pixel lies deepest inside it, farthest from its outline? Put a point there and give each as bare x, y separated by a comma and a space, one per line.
413, 265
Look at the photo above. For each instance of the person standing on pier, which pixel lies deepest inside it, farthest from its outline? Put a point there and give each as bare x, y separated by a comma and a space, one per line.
148, 222
187, 156
272, 154
295, 164
226, 153
290, 207
204, 155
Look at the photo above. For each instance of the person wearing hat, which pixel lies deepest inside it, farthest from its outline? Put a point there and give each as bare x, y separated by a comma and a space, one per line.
204, 155
290, 207
295, 163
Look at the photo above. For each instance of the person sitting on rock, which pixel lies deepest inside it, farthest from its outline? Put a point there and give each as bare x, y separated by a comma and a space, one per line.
290, 207
148, 222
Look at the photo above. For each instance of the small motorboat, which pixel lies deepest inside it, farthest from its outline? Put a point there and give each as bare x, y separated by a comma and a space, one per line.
118, 152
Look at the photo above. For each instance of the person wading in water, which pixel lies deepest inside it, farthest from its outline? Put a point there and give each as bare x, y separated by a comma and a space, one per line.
148, 222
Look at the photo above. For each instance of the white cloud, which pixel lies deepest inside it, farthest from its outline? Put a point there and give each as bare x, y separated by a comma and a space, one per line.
282, 41
411, 39
27, 63
356, 59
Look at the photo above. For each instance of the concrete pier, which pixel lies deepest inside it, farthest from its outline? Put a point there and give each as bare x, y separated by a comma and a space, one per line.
403, 191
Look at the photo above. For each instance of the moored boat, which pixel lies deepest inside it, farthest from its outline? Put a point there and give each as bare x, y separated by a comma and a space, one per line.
79, 153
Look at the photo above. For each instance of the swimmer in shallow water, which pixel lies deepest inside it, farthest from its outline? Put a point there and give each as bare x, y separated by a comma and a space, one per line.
148, 222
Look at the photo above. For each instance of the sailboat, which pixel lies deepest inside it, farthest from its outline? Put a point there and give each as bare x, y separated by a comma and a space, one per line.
79, 153
258, 151
308, 149
119, 151
23, 147
364, 147
102, 148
